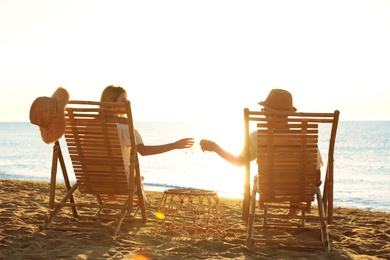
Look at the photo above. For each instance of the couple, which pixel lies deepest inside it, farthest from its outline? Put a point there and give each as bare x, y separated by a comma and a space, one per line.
277, 100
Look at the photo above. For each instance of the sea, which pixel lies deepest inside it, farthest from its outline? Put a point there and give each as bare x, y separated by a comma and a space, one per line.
361, 165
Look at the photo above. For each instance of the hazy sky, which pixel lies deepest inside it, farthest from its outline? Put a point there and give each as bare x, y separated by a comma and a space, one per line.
186, 60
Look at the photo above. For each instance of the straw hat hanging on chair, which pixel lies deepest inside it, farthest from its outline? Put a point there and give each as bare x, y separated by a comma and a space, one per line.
48, 114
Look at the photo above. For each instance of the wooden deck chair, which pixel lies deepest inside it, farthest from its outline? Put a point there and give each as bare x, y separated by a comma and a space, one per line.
287, 157
93, 143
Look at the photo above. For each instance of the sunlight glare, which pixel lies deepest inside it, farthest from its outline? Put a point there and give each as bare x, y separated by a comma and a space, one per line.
160, 215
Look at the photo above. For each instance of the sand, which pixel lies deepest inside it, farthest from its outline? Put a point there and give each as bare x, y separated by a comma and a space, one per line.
355, 234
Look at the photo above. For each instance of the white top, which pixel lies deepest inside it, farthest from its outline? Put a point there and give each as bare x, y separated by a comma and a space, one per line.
124, 137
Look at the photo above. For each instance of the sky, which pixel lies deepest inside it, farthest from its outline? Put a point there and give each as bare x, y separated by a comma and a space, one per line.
198, 60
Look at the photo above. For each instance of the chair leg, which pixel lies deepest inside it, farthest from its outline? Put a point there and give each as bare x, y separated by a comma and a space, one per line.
58, 208
119, 220
251, 218
324, 228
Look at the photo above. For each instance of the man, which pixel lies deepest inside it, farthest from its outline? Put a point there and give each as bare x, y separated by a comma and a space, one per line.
278, 100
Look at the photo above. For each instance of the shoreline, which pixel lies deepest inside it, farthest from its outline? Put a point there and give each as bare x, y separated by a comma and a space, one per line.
221, 194
355, 234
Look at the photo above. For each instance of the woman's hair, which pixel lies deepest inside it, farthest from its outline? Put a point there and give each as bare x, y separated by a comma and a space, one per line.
111, 93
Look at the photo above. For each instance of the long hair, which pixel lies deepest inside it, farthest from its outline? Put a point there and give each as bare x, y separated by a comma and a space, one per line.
111, 93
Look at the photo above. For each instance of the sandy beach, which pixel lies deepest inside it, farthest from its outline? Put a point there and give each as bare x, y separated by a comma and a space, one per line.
355, 234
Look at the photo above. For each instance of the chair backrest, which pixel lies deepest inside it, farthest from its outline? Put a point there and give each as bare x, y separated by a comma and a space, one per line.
287, 159
287, 155
94, 147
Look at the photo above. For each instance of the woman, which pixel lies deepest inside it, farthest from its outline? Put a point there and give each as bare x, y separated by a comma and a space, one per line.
118, 94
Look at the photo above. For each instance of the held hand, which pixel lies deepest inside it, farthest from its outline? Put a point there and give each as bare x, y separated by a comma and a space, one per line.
207, 145
184, 143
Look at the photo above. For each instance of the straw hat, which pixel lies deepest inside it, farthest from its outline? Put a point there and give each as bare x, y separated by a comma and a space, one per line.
280, 100
48, 114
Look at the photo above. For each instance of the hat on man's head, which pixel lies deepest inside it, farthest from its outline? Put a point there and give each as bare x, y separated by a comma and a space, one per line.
48, 113
279, 100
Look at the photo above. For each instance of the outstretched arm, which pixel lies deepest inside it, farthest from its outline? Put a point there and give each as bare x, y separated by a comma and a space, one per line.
157, 149
211, 146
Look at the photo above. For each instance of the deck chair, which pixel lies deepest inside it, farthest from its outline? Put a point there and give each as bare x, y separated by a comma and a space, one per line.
94, 148
287, 157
